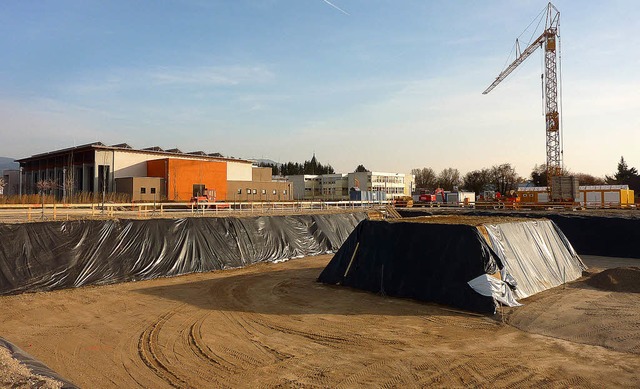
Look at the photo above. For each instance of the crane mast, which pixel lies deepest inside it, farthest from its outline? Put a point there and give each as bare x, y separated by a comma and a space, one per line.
549, 40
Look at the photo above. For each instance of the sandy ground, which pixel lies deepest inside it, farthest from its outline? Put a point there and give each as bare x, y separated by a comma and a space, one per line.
272, 325
471, 220
13, 374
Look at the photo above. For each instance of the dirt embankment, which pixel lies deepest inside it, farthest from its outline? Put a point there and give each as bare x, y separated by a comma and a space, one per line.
626, 280
273, 325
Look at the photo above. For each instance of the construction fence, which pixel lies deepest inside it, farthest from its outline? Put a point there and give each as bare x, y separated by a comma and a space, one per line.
19, 213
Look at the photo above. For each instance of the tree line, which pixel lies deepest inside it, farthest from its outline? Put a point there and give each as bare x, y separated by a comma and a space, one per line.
503, 178
294, 168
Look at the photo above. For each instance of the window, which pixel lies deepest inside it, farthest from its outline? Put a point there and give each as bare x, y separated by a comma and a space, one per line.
264, 191
199, 190
248, 191
255, 191
284, 192
239, 191
153, 190
143, 190
275, 192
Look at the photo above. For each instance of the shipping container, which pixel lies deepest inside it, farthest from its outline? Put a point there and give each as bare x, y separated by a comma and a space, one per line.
595, 196
461, 198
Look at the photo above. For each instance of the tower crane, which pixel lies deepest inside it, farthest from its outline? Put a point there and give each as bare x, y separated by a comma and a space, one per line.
550, 41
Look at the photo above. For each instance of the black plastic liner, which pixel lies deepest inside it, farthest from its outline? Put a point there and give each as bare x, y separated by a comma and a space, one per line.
56, 255
428, 262
598, 235
609, 236
35, 366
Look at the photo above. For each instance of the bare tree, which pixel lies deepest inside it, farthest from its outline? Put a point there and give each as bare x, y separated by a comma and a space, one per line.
539, 175
426, 178
44, 187
68, 184
504, 178
588, 179
477, 180
2, 184
449, 178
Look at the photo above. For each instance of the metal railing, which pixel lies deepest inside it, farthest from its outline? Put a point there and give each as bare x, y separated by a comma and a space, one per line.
18, 213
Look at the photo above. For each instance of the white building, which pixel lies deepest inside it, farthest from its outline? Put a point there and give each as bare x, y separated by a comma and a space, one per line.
393, 184
87, 168
337, 186
306, 186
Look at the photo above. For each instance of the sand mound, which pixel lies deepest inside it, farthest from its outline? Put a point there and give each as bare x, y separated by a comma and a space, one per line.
620, 279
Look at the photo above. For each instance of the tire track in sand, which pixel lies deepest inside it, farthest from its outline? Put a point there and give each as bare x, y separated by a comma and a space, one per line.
148, 350
204, 352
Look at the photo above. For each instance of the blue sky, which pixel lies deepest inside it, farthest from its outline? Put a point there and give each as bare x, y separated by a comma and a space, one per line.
393, 85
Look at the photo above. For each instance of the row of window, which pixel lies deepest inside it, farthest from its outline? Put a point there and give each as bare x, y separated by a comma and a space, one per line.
144, 190
389, 190
264, 191
392, 180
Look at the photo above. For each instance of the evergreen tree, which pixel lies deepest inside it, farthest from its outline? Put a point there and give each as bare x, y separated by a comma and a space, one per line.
624, 175
308, 167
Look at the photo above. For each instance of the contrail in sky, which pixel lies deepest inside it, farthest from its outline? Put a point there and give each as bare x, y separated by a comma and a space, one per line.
336, 7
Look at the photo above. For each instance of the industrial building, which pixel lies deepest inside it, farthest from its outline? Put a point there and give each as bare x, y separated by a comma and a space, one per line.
262, 187
337, 186
148, 174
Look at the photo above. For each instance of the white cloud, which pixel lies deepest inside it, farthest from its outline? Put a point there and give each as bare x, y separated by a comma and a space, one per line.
114, 81
233, 75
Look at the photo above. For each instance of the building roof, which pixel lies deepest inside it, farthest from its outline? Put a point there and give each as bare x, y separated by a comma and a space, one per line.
124, 147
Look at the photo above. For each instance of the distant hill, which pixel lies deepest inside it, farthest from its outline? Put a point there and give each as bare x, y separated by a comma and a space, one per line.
265, 161
7, 163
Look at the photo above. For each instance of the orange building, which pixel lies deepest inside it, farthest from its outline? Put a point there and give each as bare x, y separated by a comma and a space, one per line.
187, 178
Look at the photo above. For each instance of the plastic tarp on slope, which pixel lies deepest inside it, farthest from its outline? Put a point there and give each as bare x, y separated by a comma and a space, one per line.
429, 262
35, 366
55, 255
608, 236
536, 253
615, 235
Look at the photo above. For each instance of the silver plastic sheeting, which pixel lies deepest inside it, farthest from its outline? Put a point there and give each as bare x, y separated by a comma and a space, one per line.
490, 286
536, 254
